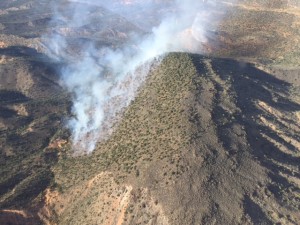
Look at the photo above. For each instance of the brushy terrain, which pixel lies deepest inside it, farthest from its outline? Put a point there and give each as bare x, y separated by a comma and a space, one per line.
208, 139
31, 116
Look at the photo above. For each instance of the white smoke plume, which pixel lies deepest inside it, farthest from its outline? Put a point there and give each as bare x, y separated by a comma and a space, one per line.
105, 78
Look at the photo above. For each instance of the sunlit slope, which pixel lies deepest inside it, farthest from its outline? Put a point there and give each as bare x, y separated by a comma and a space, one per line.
264, 31
206, 140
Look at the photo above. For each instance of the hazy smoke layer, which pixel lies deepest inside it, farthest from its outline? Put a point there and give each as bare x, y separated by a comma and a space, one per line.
104, 78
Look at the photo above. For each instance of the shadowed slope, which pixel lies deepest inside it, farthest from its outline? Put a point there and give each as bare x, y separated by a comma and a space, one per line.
31, 111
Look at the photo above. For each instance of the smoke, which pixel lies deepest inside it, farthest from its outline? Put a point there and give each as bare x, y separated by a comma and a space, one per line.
108, 48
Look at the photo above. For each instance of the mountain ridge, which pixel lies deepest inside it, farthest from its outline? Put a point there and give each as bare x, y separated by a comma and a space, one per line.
208, 139
212, 140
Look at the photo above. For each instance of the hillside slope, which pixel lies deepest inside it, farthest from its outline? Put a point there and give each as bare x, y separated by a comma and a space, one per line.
207, 141
32, 106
